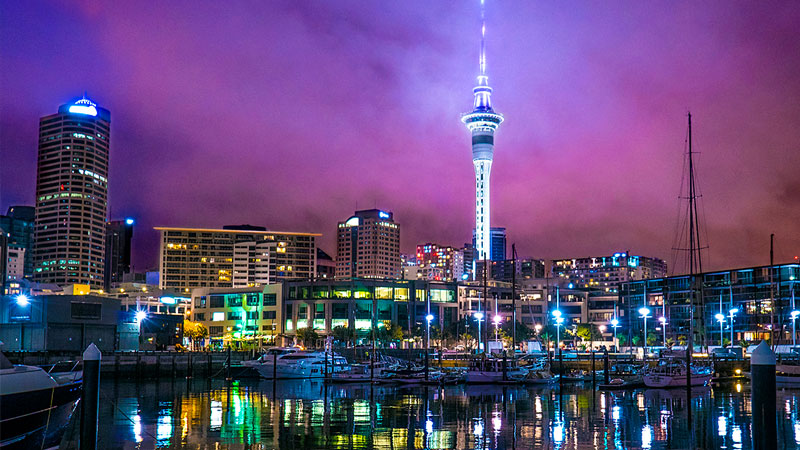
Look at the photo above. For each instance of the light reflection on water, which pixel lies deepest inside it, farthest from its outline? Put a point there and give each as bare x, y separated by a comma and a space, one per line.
307, 415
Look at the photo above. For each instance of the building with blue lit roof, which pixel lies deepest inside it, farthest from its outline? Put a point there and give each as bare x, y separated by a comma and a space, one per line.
72, 195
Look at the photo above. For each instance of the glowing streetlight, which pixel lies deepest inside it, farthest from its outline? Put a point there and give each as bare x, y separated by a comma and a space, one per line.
428, 320
478, 316
721, 319
140, 316
732, 311
794, 314
23, 300
559, 320
497, 319
614, 325
645, 313
663, 321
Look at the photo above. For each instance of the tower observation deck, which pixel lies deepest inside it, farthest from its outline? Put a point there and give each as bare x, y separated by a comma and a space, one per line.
482, 122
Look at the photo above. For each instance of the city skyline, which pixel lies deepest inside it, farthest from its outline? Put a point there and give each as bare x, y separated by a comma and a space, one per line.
591, 159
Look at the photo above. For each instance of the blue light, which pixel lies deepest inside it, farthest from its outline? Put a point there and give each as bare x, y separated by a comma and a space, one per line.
129, 221
465, 276
84, 106
23, 300
168, 300
383, 215
571, 285
429, 317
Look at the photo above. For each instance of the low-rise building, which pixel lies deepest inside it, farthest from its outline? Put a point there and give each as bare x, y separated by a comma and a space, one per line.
607, 272
249, 314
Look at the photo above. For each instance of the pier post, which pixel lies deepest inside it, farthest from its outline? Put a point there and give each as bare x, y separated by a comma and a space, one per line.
560, 367
594, 373
275, 367
762, 397
606, 368
91, 397
505, 369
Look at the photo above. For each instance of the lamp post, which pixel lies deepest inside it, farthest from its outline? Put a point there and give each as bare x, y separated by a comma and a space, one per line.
794, 315
663, 321
732, 311
615, 325
721, 319
478, 316
497, 319
428, 320
645, 313
559, 320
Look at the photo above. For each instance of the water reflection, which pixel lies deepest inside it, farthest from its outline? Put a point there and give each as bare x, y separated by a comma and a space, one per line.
308, 415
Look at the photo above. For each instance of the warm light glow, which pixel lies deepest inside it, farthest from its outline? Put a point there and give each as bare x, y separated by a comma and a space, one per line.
497, 319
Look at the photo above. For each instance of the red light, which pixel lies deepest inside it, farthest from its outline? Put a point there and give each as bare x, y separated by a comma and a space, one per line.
62, 187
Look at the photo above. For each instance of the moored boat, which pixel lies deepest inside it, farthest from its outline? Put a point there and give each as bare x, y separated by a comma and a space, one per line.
298, 364
34, 408
672, 372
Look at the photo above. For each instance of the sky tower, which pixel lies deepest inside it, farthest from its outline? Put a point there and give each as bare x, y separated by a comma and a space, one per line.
482, 122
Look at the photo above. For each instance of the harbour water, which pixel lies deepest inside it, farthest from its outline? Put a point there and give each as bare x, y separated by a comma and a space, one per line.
252, 414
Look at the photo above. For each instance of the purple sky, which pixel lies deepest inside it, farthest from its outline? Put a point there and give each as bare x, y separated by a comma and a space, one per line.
290, 115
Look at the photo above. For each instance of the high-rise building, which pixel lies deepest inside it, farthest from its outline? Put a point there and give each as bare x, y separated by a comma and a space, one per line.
482, 122
607, 272
118, 251
368, 246
71, 195
232, 257
326, 266
18, 223
439, 262
498, 241
3, 260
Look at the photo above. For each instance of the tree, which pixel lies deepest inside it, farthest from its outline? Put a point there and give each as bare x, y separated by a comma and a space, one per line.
342, 334
524, 333
670, 343
308, 336
651, 339
636, 340
682, 340
623, 340
195, 331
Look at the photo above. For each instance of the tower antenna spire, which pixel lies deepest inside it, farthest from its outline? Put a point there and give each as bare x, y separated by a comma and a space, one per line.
483, 38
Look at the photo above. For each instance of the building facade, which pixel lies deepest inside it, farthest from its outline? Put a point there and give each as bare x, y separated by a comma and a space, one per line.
72, 195
230, 257
18, 223
368, 246
240, 314
118, 251
607, 272
439, 262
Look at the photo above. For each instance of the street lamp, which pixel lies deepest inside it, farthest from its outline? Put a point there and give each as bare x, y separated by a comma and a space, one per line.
732, 311
615, 324
794, 314
428, 320
497, 319
721, 319
23, 300
559, 320
663, 321
478, 316
645, 313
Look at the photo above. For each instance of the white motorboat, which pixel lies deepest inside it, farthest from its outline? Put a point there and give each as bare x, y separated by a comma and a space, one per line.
671, 372
491, 371
34, 408
299, 364
356, 373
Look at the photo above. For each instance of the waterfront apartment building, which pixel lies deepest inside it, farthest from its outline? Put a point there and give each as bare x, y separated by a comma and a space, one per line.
368, 246
762, 300
439, 262
233, 314
18, 224
118, 251
234, 256
607, 272
72, 195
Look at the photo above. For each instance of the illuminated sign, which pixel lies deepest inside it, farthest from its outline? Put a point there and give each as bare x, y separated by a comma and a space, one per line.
353, 222
168, 300
383, 215
84, 106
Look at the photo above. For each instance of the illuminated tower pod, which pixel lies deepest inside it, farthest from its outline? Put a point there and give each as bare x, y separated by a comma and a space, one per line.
482, 122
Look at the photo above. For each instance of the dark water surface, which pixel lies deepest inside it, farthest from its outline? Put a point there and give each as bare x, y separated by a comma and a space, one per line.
306, 415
